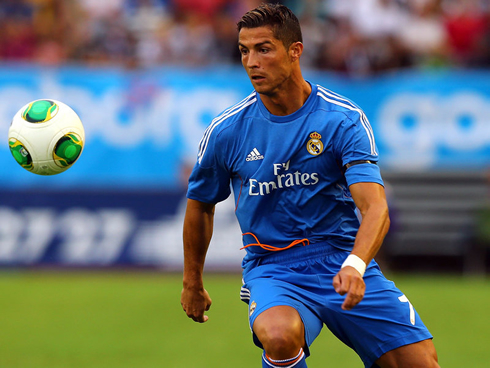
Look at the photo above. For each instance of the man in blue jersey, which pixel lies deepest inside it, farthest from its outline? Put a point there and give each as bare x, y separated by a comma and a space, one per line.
302, 163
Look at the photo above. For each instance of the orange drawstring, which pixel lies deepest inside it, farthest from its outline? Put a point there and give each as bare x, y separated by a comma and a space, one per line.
271, 247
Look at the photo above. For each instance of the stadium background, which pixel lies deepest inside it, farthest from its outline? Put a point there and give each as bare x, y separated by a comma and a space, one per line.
146, 77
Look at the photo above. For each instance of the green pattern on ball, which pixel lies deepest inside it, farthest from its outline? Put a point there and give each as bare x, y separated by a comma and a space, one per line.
40, 111
20, 154
67, 150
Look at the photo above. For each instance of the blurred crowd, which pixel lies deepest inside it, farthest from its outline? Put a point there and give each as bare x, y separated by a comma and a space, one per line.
358, 37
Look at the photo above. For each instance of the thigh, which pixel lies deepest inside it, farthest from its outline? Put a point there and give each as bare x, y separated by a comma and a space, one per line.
264, 292
420, 354
384, 320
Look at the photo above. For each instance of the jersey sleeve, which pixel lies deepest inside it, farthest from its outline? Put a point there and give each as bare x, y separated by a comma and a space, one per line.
357, 150
209, 181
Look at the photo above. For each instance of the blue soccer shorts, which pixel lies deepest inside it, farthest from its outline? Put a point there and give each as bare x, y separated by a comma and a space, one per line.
301, 277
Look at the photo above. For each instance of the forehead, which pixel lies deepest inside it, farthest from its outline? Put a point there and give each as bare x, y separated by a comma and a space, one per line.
252, 36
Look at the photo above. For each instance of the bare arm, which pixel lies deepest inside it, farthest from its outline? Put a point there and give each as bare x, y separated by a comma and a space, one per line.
370, 198
198, 229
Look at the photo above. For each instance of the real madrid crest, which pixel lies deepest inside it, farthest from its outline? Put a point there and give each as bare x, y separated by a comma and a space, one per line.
253, 305
315, 145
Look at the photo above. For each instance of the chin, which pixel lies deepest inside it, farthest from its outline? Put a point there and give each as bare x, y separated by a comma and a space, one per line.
263, 90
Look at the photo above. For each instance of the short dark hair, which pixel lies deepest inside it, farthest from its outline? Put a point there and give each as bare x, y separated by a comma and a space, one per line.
285, 25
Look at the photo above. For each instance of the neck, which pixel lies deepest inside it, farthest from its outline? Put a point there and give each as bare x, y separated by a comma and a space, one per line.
287, 99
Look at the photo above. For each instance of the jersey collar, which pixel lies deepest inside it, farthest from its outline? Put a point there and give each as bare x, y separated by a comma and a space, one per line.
295, 115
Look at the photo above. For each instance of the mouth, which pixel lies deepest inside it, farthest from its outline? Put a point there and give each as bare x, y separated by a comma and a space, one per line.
257, 78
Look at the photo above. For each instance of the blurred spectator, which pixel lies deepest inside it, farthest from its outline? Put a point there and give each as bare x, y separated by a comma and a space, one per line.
466, 29
97, 9
18, 39
147, 20
356, 37
424, 34
365, 36
204, 8
482, 58
190, 40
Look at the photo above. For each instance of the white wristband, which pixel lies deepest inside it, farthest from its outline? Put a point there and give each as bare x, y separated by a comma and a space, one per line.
356, 262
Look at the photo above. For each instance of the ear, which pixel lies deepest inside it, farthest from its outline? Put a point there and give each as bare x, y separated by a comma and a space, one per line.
295, 50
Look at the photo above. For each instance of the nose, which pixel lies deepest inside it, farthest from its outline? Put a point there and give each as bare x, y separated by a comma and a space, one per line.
251, 60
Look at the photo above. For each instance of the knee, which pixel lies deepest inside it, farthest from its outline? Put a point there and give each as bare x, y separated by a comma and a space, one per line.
281, 332
275, 339
280, 341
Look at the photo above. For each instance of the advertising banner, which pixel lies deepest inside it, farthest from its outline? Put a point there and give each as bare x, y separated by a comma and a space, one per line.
106, 228
122, 202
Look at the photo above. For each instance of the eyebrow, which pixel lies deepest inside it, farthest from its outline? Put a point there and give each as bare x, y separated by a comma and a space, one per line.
257, 44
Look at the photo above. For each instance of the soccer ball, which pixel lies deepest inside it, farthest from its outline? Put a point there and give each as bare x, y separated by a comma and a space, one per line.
46, 137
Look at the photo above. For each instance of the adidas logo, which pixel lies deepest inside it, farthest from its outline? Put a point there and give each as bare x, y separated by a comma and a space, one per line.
255, 155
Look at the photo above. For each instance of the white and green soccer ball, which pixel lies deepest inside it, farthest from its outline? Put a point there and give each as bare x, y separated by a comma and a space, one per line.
46, 137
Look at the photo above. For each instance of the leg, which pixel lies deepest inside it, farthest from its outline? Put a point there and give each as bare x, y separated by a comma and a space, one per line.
418, 355
281, 332
384, 329
282, 321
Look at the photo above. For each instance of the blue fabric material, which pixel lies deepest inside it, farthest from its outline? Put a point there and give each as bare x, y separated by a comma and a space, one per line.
286, 172
302, 278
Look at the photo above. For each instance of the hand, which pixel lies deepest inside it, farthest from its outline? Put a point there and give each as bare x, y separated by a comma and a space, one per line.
349, 281
195, 302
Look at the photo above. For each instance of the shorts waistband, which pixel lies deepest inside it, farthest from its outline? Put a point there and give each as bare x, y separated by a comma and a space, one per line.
300, 253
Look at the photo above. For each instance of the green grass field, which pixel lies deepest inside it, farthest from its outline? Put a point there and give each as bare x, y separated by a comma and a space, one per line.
134, 320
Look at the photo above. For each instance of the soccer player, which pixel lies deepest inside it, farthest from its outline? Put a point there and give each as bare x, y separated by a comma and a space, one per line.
301, 161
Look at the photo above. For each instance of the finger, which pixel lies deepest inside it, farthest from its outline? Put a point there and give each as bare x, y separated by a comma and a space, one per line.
195, 315
340, 284
209, 301
348, 303
336, 283
200, 319
354, 296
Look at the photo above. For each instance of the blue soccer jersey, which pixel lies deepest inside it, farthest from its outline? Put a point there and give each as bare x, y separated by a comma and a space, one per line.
288, 173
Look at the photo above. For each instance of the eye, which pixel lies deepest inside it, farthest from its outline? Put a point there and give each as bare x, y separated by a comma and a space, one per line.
243, 51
